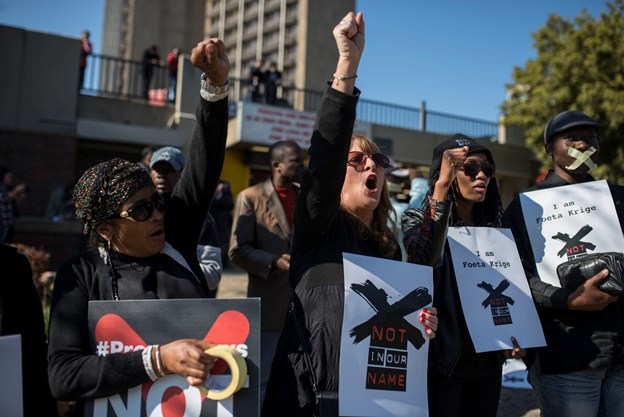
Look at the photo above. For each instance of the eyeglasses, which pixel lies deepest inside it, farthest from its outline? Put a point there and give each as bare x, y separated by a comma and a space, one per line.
472, 169
358, 158
142, 210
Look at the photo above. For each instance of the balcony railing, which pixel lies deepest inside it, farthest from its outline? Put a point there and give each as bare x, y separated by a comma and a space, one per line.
115, 77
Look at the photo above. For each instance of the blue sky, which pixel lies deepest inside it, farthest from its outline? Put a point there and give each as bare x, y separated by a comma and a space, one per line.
456, 55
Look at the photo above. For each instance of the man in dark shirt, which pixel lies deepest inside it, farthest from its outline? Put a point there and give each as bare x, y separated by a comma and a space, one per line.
580, 371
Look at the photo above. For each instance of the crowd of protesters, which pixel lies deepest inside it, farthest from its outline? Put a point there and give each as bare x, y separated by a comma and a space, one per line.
144, 223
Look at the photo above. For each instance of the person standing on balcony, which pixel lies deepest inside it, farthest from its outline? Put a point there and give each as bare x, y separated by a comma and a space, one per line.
172, 74
256, 81
151, 60
272, 79
86, 48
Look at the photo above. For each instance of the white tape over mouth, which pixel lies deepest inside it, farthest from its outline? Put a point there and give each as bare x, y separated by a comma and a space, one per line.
581, 158
238, 369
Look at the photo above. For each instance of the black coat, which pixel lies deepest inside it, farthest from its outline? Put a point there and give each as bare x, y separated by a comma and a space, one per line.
21, 314
322, 233
75, 372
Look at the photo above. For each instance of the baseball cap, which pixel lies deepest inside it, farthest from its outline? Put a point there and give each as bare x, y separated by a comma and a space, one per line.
566, 120
171, 155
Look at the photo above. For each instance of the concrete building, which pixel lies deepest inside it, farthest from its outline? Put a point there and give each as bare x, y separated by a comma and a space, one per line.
50, 132
293, 33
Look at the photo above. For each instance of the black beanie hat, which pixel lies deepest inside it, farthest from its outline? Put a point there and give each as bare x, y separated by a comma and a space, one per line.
457, 141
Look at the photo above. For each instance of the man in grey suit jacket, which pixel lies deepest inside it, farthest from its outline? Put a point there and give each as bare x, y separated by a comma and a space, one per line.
260, 243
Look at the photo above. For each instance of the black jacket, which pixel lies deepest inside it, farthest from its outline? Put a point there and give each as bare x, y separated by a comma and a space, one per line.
21, 314
75, 372
576, 340
322, 233
425, 242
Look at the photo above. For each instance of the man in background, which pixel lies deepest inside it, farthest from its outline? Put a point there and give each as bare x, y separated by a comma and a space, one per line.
166, 165
260, 243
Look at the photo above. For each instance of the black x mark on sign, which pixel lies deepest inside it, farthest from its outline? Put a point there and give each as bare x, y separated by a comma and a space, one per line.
575, 240
495, 294
390, 315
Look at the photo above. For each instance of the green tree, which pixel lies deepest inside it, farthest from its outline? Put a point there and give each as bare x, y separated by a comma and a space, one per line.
579, 66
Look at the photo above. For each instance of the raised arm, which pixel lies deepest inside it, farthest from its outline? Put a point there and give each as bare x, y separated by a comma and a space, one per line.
321, 185
192, 195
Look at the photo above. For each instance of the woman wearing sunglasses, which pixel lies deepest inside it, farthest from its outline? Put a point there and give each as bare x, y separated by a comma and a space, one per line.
343, 206
141, 247
462, 191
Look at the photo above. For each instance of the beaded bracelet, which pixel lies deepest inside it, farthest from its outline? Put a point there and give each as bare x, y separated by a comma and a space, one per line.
147, 362
343, 77
213, 93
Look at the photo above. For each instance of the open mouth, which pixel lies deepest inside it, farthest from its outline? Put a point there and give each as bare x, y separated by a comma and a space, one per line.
158, 233
371, 183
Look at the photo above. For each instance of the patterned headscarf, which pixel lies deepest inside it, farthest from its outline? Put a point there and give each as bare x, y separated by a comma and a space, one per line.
103, 188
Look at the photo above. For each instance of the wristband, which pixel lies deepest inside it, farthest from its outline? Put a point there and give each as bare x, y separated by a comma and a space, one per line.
213, 93
343, 77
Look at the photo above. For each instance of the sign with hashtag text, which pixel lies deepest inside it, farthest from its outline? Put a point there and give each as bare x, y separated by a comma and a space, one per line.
124, 326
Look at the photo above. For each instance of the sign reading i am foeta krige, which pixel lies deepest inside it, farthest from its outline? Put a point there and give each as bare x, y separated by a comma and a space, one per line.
568, 222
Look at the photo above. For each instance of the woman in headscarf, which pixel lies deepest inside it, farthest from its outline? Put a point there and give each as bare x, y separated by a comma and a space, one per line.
142, 247
462, 192
343, 206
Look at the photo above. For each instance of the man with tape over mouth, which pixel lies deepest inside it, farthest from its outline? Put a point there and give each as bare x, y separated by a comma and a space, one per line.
587, 378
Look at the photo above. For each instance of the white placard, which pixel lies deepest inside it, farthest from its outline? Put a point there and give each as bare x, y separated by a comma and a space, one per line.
384, 347
493, 289
11, 395
568, 222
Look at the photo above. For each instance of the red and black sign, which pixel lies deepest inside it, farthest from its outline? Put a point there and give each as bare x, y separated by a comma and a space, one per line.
122, 326
574, 247
498, 302
389, 334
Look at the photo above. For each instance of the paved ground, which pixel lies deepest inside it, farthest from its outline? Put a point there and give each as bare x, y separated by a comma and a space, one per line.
513, 402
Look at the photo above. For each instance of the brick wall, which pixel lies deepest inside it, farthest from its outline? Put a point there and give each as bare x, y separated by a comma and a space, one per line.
44, 162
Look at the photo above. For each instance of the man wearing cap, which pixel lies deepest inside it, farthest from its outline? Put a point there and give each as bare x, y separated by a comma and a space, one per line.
166, 167
581, 370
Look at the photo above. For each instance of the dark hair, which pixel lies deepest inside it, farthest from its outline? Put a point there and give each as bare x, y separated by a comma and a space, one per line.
277, 151
3, 171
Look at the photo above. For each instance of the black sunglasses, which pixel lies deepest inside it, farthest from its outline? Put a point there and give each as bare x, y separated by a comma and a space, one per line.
142, 210
358, 158
472, 169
